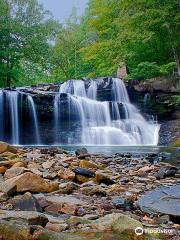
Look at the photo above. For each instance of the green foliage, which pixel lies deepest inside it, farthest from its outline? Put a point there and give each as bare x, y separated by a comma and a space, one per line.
27, 30
34, 48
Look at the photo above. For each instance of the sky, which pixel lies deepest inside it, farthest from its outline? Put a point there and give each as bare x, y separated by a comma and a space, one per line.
62, 8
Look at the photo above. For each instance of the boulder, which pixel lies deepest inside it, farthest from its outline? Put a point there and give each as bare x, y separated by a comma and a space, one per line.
55, 207
48, 164
4, 147
26, 202
13, 172
15, 231
68, 200
81, 151
66, 174
93, 190
164, 200
57, 227
29, 217
8, 188
168, 171
69, 209
84, 172
116, 222
87, 165
32, 183
102, 178
123, 203
19, 164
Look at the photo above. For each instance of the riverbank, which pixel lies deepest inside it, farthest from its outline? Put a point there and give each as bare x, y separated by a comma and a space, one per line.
57, 194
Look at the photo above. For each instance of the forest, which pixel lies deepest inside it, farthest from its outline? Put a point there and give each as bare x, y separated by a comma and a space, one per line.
35, 48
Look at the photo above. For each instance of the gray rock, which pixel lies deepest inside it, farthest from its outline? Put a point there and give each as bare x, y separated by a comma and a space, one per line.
124, 203
117, 222
81, 151
30, 218
26, 202
8, 188
84, 172
164, 200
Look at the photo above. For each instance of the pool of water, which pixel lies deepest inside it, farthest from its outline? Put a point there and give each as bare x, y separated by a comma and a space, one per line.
110, 150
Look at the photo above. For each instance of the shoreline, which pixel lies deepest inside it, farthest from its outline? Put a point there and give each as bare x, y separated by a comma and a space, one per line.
83, 195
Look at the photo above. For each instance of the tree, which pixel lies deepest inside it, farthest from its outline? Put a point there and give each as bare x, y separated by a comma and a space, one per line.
149, 32
29, 32
67, 56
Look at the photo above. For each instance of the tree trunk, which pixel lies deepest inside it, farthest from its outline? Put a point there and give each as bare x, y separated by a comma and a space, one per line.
62, 68
75, 53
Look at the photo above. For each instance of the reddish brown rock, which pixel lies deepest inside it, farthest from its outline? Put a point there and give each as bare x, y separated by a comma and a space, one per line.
70, 209
13, 172
57, 227
32, 183
54, 208
3, 169
66, 174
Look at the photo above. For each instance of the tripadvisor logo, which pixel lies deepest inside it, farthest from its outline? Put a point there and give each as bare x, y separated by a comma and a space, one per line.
139, 231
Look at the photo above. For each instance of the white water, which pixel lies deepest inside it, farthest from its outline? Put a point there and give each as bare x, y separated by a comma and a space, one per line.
98, 126
1, 115
12, 99
33, 109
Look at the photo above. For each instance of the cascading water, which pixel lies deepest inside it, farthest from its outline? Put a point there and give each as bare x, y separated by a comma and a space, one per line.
1, 114
33, 109
125, 126
79, 118
12, 99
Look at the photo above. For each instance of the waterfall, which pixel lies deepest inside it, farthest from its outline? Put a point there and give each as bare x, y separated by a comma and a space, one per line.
12, 99
1, 115
33, 109
92, 90
99, 126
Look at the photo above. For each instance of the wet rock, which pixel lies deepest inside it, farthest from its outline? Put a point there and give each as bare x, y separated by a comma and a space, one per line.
26, 202
116, 222
93, 190
66, 174
32, 183
123, 203
48, 164
84, 172
3, 169
31, 218
4, 147
163, 200
70, 209
145, 169
13, 172
11, 163
81, 179
55, 207
107, 206
81, 212
49, 175
81, 151
8, 188
3, 197
164, 172
19, 164
102, 178
78, 220
57, 227
87, 165
67, 200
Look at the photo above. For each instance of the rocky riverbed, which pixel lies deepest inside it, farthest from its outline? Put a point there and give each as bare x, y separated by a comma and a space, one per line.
55, 194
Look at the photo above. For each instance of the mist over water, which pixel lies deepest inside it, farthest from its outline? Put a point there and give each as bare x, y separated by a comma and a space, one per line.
107, 123
125, 126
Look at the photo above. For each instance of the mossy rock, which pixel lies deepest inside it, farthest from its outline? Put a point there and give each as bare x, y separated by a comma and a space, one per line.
175, 144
